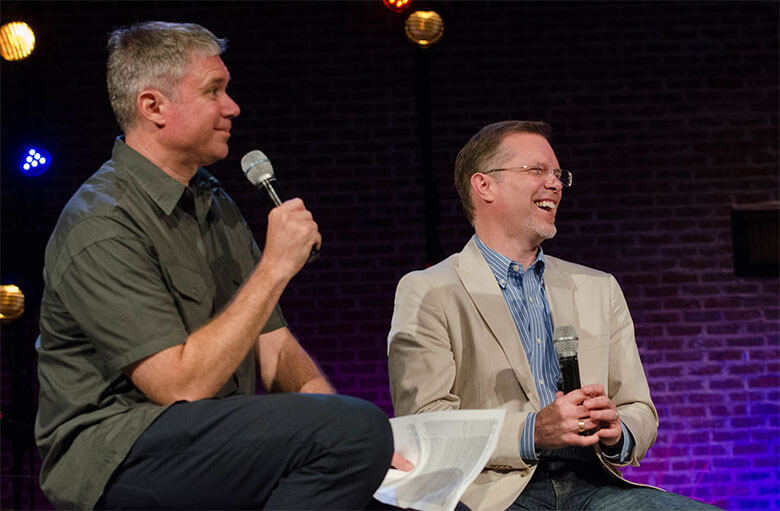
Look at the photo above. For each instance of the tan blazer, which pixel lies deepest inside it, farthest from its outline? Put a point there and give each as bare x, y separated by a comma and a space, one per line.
453, 345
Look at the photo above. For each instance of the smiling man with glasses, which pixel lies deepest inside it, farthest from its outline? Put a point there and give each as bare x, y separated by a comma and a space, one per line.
476, 332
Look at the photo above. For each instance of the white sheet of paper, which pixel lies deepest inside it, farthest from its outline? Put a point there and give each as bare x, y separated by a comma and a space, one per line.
449, 449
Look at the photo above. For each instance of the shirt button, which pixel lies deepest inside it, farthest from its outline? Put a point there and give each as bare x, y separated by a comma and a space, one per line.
502, 283
531, 299
541, 382
516, 267
538, 340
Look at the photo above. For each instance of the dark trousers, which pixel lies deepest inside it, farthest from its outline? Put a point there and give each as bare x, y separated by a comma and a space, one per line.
278, 451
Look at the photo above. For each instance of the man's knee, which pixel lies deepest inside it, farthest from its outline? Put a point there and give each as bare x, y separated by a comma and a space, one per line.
363, 429
648, 499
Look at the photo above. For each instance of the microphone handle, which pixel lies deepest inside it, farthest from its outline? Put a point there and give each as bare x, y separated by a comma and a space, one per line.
570, 373
271, 188
570, 380
274, 193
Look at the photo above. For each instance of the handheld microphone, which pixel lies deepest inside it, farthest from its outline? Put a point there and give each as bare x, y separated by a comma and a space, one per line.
565, 341
259, 171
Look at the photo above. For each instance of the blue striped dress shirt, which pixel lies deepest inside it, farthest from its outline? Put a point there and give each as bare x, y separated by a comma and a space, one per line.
524, 294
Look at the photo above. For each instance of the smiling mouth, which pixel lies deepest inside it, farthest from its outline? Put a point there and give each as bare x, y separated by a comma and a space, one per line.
546, 205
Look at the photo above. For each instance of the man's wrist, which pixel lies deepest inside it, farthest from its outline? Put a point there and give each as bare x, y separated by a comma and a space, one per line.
626, 445
527, 442
612, 450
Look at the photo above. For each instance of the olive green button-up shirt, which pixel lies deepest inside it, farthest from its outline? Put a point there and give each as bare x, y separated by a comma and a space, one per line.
136, 263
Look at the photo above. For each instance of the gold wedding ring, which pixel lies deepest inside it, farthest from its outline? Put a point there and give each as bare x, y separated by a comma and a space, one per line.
581, 425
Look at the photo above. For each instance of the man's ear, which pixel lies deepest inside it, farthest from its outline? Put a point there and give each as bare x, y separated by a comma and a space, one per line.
482, 187
151, 106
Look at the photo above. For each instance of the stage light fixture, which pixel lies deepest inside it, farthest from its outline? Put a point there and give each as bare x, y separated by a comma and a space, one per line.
35, 161
396, 5
424, 28
11, 303
17, 40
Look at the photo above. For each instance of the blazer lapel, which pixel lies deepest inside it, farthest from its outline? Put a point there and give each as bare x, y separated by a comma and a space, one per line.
481, 285
560, 294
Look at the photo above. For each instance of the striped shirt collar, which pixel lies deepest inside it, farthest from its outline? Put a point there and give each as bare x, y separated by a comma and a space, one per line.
501, 265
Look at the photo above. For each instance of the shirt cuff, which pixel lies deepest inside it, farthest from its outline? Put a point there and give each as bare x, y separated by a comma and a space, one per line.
626, 451
527, 448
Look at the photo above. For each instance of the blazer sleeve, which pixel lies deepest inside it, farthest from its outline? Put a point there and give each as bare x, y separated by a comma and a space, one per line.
627, 385
421, 365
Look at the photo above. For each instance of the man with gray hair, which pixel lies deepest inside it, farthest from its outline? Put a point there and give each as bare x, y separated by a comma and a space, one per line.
159, 310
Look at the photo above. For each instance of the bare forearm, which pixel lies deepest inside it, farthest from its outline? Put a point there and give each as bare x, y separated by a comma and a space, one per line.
295, 370
221, 345
198, 368
201, 366
317, 386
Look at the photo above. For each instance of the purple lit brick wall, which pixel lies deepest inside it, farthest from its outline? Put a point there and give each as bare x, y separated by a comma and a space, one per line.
666, 112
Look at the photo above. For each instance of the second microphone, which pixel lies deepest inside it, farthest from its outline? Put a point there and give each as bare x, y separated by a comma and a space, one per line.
259, 171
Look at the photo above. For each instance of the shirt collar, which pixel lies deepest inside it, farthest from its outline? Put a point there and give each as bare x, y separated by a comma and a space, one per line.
164, 190
501, 265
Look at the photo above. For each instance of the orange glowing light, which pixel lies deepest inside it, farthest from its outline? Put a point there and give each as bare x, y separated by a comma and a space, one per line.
424, 28
11, 303
17, 40
396, 5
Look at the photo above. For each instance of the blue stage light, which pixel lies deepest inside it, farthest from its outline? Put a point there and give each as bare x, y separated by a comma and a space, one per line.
35, 161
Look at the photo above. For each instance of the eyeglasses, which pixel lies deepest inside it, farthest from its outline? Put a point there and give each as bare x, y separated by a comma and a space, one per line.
564, 176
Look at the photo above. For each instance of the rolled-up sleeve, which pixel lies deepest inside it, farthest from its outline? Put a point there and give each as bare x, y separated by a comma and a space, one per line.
115, 291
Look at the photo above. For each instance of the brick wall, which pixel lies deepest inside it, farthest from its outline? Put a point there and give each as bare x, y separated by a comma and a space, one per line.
667, 113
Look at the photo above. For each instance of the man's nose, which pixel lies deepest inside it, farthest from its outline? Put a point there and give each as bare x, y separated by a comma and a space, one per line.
551, 181
231, 108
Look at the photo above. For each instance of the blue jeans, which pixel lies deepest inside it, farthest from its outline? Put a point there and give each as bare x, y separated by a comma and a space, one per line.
577, 485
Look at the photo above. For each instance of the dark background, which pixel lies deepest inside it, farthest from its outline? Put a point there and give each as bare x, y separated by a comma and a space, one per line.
666, 112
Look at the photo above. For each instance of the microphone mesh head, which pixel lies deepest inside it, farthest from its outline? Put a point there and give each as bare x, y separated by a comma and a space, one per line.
257, 167
565, 341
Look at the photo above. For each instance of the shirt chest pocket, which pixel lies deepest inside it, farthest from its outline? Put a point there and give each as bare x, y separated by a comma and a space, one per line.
192, 292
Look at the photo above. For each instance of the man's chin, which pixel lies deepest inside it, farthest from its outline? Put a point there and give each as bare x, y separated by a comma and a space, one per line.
215, 156
545, 231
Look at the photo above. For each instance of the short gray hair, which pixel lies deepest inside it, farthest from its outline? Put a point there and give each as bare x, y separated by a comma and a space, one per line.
152, 54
